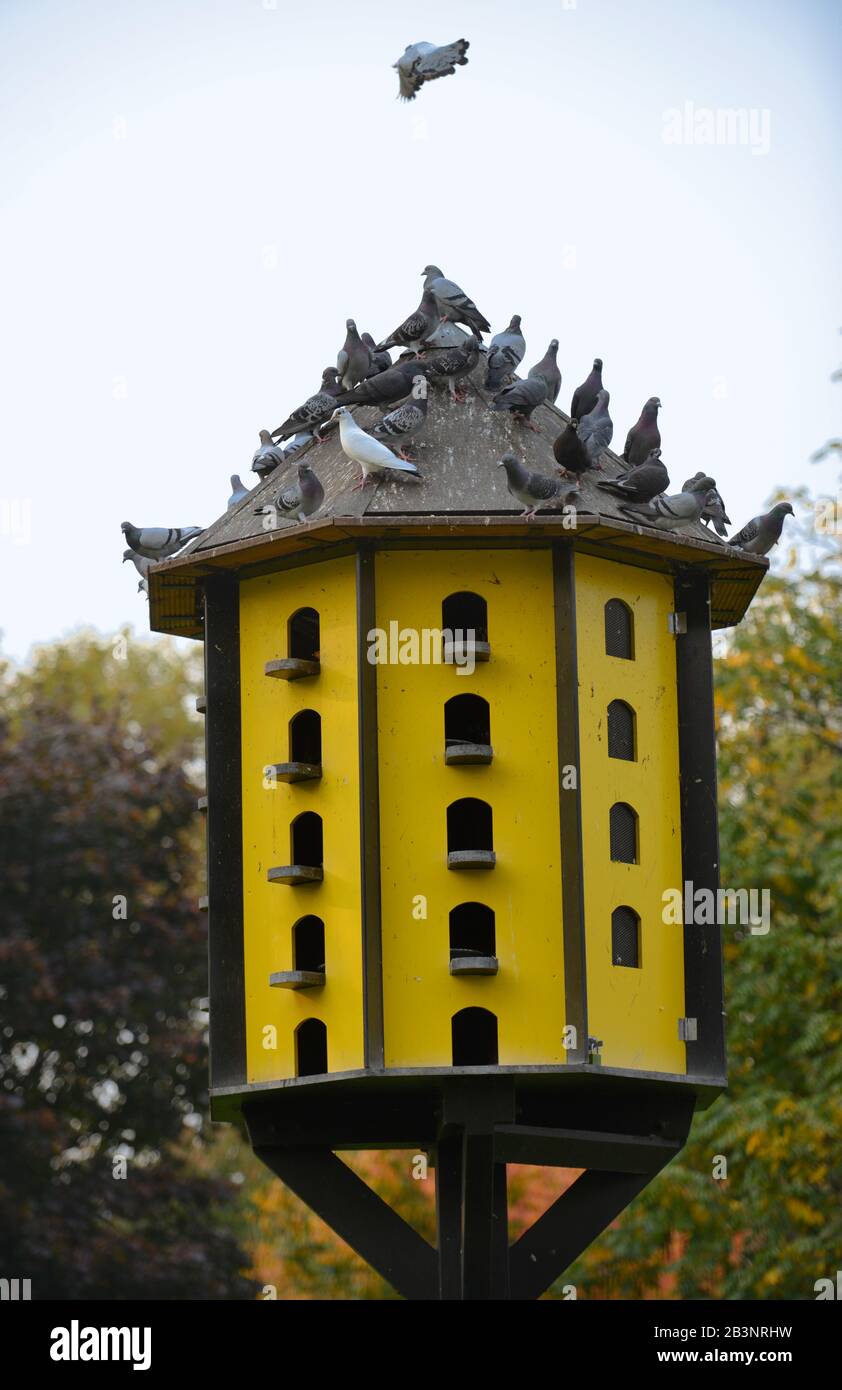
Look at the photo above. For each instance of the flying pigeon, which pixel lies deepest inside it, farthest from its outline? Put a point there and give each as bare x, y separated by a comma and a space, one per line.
642, 483
584, 397
141, 564
714, 513
239, 492
380, 361
373, 457
408, 420
354, 358
645, 436
269, 455
386, 387
505, 352
424, 62
452, 302
415, 330
521, 399
547, 368
315, 409
762, 532
534, 490
158, 542
452, 363
675, 512
596, 429
570, 453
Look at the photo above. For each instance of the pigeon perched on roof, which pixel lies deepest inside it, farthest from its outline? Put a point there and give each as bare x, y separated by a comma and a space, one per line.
386, 387
505, 353
239, 492
535, 490
408, 420
303, 498
141, 564
269, 456
315, 409
353, 359
454, 363
584, 397
714, 513
570, 453
446, 335
416, 329
380, 361
762, 532
158, 542
424, 62
548, 369
642, 483
297, 442
596, 429
521, 399
645, 436
452, 302
672, 513
373, 457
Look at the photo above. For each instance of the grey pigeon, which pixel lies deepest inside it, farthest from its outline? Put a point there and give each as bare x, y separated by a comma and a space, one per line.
353, 359
408, 420
535, 490
303, 498
268, 457
642, 483
675, 512
596, 429
385, 388
584, 397
371, 454
315, 409
452, 302
424, 62
142, 565
762, 532
158, 542
714, 513
446, 335
570, 453
454, 363
239, 492
297, 442
505, 352
416, 329
380, 360
521, 399
548, 369
645, 436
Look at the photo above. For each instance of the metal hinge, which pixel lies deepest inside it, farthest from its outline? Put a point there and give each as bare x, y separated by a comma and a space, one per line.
677, 623
594, 1051
688, 1029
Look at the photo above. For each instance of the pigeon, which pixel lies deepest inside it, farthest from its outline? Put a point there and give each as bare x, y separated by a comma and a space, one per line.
297, 442
675, 512
158, 542
424, 62
415, 330
373, 457
354, 358
762, 532
380, 361
570, 453
645, 435
714, 513
534, 490
142, 565
315, 409
584, 397
596, 429
504, 354
408, 420
385, 388
303, 498
269, 455
643, 483
239, 492
452, 302
446, 335
521, 399
548, 370
452, 363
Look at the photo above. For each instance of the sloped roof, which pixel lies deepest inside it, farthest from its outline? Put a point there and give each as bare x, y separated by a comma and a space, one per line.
462, 493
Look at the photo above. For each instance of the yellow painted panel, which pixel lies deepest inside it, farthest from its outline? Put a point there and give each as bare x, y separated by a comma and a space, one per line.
634, 1011
271, 909
521, 785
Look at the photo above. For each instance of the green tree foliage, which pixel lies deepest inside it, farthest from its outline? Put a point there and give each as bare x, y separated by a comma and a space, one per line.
102, 963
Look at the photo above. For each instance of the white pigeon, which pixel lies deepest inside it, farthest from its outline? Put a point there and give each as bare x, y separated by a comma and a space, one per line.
373, 457
239, 492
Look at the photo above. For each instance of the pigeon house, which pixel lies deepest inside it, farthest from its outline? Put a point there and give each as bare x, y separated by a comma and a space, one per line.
437, 863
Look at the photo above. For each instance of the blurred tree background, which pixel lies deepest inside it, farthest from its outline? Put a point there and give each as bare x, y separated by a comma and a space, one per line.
103, 1052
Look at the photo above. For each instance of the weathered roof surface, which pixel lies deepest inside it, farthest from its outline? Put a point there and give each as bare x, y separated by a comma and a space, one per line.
462, 493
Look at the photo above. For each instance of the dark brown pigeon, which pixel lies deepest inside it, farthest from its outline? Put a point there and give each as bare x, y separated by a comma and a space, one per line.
645, 436
584, 397
521, 399
570, 453
548, 370
642, 483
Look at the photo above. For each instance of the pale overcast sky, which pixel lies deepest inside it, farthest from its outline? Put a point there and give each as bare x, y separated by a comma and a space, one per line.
194, 197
